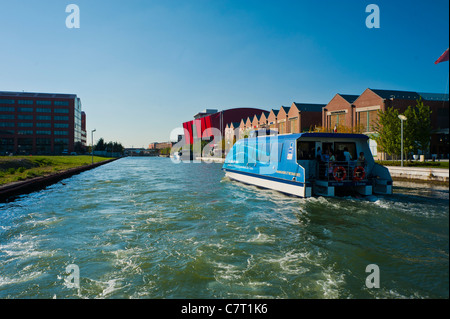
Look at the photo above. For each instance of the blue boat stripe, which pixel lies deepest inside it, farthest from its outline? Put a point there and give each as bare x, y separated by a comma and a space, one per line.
270, 178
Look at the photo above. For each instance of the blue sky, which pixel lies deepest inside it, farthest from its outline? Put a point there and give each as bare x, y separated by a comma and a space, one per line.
141, 68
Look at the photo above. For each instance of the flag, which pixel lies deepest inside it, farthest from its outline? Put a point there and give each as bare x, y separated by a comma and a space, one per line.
443, 57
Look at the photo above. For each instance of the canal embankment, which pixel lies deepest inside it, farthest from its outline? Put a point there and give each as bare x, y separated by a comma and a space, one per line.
15, 188
419, 173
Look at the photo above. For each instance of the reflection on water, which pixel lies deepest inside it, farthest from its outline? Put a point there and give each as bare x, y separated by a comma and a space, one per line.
148, 228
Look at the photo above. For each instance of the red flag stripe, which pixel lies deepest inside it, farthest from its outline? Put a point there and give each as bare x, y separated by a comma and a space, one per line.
443, 57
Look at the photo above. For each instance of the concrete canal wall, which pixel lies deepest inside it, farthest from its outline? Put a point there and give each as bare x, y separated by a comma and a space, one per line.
420, 173
35, 184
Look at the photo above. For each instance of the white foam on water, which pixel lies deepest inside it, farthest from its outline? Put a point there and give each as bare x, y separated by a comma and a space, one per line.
228, 272
293, 263
262, 238
331, 284
20, 277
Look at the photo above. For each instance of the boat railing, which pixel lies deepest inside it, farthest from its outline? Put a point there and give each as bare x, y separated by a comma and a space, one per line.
339, 171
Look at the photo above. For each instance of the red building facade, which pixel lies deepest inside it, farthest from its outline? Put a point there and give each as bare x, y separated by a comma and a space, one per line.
203, 126
40, 123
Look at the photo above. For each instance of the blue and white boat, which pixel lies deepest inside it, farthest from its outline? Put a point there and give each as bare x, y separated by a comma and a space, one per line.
303, 165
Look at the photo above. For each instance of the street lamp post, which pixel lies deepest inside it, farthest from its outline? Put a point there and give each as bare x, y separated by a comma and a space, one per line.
92, 139
402, 118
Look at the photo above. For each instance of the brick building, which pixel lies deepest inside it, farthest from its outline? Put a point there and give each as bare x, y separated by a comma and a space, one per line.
339, 112
40, 123
303, 117
354, 113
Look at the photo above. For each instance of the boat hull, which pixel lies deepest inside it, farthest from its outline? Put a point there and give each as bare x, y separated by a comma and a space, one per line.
284, 186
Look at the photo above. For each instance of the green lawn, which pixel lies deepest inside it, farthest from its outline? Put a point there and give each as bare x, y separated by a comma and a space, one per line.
18, 168
428, 164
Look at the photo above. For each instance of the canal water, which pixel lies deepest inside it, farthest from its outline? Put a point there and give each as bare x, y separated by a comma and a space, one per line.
148, 228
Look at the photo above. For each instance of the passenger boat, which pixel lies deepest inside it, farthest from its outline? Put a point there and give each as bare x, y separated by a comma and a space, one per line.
308, 164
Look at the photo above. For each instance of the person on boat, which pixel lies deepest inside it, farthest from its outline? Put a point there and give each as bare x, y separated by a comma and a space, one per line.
332, 157
348, 156
361, 160
331, 164
325, 157
319, 154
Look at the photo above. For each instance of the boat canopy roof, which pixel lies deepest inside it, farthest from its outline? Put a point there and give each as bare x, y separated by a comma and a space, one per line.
316, 135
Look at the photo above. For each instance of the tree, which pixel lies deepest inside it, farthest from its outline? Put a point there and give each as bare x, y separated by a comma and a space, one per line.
100, 146
388, 130
417, 129
108, 147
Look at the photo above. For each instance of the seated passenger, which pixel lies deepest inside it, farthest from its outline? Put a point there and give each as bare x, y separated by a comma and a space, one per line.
325, 157
361, 160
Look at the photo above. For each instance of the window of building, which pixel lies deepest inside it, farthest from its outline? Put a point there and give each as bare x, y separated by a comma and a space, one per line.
7, 124
367, 120
24, 117
5, 101
43, 117
25, 102
7, 109
24, 145
25, 132
43, 102
25, 124
6, 144
43, 110
61, 103
61, 125
61, 110
281, 127
337, 119
61, 118
442, 117
61, 133
25, 109
6, 116
44, 132
293, 125
43, 141
43, 124
61, 140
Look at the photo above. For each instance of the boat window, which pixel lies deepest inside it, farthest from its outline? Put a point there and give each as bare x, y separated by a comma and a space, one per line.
263, 151
306, 150
276, 150
340, 147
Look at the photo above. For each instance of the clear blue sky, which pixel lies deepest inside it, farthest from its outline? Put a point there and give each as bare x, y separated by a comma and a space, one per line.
141, 68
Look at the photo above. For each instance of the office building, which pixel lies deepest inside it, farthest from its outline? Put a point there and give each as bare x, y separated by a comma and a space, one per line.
41, 123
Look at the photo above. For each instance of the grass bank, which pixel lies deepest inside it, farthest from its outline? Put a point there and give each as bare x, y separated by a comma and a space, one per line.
428, 164
20, 168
